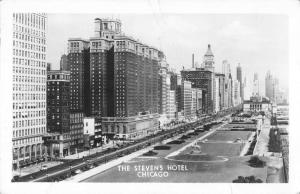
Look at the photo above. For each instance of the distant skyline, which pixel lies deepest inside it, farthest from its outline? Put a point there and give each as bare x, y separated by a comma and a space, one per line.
258, 42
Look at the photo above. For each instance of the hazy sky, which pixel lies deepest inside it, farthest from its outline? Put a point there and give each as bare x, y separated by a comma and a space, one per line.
258, 42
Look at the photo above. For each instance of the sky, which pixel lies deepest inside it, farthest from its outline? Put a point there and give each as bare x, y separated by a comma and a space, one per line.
259, 42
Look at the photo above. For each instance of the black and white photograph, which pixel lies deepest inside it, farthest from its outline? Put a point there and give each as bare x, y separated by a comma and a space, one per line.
157, 96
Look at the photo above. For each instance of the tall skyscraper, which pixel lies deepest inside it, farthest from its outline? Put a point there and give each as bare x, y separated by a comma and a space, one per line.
114, 78
255, 86
29, 86
102, 66
78, 59
208, 59
228, 92
202, 79
269, 86
221, 95
239, 77
237, 93
163, 87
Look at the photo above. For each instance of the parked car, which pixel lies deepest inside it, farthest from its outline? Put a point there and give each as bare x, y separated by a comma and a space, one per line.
44, 167
78, 171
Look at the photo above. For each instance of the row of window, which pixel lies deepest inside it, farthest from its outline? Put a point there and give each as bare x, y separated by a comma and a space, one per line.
28, 105
29, 46
27, 96
29, 114
27, 140
31, 88
29, 38
33, 55
58, 76
28, 71
31, 31
31, 20
27, 62
29, 123
25, 132
74, 143
28, 79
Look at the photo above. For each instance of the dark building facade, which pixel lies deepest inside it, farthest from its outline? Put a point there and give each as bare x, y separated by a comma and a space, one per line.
101, 77
64, 66
240, 79
76, 131
221, 80
136, 78
58, 112
204, 80
78, 59
58, 101
80, 98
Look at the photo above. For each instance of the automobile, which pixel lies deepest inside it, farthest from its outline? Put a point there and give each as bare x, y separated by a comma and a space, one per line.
238, 140
85, 168
44, 167
91, 166
78, 171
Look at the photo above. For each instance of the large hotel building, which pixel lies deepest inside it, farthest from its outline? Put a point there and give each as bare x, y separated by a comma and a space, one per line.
115, 78
29, 87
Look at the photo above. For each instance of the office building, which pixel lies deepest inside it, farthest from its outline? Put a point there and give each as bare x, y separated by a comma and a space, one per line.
221, 79
204, 80
186, 98
228, 92
163, 86
29, 87
76, 131
217, 106
236, 92
58, 113
239, 77
172, 108
255, 91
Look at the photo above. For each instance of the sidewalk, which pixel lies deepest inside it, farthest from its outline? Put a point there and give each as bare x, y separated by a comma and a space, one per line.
261, 147
35, 168
88, 152
113, 163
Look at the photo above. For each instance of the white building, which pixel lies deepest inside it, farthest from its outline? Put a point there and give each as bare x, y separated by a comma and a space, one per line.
89, 126
186, 98
217, 97
29, 86
172, 105
257, 104
255, 91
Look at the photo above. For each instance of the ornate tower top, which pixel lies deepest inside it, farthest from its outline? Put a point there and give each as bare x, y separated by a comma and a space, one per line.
209, 59
209, 52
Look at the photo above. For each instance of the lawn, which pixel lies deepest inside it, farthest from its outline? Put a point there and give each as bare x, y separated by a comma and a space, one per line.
229, 135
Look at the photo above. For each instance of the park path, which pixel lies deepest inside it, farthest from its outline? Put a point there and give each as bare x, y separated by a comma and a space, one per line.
261, 147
